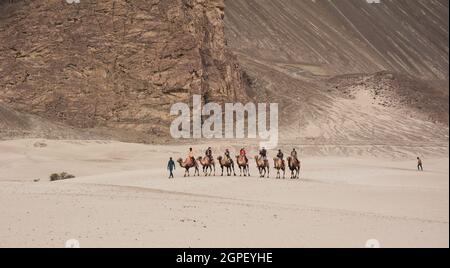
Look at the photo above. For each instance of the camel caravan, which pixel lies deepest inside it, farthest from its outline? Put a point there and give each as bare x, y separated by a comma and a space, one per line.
227, 165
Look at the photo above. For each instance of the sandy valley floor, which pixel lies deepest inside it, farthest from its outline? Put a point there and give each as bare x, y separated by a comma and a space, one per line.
121, 197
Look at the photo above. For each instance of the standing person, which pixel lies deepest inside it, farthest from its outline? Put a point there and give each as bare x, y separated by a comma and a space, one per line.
419, 164
171, 167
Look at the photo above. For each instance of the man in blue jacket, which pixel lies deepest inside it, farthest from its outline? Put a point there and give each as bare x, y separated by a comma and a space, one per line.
171, 167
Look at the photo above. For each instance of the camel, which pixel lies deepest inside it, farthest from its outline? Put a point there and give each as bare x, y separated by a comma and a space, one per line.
279, 165
242, 163
207, 163
187, 165
226, 163
263, 166
294, 166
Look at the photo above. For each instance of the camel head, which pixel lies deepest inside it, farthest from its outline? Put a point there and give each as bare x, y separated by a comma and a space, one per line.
220, 158
180, 160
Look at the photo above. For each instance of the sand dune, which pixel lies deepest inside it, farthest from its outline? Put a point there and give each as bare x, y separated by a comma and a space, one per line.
122, 197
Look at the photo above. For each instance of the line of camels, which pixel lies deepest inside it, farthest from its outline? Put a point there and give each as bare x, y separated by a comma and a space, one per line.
209, 166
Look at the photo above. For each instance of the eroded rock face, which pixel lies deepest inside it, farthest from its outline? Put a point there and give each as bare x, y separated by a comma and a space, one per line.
118, 64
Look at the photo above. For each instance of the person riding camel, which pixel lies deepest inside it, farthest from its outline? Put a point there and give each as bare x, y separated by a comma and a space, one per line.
294, 154
263, 154
190, 156
208, 154
280, 155
243, 153
228, 156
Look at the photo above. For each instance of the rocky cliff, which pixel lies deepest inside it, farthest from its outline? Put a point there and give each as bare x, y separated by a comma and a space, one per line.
115, 64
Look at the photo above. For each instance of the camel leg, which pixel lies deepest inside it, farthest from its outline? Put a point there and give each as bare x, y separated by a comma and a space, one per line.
268, 172
284, 173
248, 170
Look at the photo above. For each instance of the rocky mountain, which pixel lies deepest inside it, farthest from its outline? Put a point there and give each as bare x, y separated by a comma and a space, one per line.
345, 72
114, 64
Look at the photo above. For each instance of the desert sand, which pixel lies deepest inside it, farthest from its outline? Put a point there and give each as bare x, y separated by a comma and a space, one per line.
121, 197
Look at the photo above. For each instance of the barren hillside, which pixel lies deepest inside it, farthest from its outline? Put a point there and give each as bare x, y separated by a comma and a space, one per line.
347, 73
341, 37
